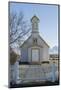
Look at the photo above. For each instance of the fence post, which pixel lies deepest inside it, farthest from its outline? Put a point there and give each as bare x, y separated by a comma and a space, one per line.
17, 79
53, 72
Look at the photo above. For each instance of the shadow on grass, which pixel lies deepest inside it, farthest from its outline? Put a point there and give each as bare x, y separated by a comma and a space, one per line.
34, 84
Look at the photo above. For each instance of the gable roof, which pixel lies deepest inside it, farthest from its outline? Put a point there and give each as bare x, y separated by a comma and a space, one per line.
44, 41
25, 40
30, 37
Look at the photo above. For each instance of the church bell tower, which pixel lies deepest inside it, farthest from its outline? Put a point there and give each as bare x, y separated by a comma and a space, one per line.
34, 22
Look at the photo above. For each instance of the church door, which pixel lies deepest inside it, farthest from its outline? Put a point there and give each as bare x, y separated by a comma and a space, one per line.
35, 55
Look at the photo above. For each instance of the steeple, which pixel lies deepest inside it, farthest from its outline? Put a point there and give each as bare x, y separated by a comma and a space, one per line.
34, 21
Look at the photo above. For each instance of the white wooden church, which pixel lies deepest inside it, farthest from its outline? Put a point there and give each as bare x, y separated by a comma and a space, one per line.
34, 49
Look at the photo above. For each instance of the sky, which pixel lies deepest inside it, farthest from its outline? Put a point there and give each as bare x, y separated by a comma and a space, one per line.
48, 16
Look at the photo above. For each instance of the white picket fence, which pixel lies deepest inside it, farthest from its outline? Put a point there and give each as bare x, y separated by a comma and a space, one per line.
33, 73
37, 73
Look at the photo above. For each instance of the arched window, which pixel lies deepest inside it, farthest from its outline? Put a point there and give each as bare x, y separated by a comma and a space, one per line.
34, 40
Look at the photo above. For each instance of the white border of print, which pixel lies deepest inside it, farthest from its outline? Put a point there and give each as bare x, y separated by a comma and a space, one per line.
4, 43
